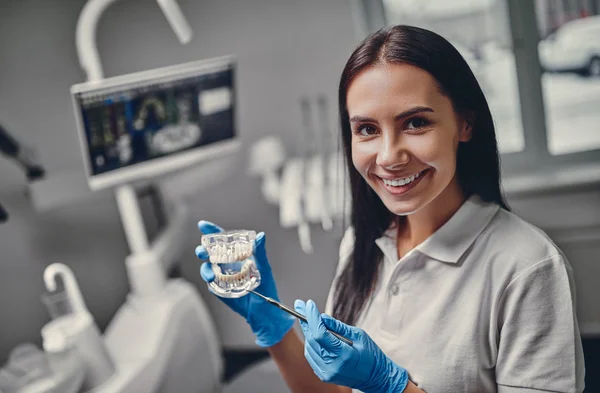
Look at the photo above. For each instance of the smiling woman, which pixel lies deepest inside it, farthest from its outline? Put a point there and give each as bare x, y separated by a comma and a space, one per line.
423, 161
409, 103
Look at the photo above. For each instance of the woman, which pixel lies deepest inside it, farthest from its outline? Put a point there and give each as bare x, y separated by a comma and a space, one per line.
440, 287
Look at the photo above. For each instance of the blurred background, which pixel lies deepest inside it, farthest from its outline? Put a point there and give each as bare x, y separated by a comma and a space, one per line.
537, 61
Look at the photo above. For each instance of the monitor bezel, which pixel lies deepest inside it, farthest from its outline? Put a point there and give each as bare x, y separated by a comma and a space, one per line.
161, 166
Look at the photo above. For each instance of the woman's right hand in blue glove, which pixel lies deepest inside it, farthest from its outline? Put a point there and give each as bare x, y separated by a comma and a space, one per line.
268, 323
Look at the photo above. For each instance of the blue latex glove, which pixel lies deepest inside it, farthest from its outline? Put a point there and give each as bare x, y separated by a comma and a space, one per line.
268, 323
362, 366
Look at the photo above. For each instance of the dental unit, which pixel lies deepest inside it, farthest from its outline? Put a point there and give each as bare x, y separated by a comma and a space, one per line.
162, 338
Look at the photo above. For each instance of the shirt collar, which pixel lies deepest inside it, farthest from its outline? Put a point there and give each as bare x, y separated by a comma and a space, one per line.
452, 240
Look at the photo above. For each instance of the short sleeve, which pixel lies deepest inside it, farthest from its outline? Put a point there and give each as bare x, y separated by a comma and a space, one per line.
540, 346
346, 245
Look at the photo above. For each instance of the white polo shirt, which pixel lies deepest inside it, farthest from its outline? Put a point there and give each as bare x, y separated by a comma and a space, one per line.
485, 304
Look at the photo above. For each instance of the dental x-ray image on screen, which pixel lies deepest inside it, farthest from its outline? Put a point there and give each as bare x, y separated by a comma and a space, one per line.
146, 124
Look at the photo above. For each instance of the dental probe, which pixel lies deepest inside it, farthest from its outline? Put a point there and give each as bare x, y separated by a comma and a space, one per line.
297, 315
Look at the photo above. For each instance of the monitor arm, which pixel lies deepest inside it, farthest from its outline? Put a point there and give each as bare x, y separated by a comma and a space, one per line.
87, 50
147, 262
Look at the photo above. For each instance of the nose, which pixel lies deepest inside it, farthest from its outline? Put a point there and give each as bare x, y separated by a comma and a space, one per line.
392, 154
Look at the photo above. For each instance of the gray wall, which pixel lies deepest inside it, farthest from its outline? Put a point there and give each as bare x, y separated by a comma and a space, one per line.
285, 49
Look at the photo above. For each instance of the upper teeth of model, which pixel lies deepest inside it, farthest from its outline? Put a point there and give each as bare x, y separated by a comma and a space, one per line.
402, 181
224, 254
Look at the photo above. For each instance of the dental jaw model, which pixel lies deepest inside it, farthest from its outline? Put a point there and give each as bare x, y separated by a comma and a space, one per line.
232, 260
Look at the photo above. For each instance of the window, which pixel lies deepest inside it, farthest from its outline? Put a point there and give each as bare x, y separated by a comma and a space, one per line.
538, 63
569, 53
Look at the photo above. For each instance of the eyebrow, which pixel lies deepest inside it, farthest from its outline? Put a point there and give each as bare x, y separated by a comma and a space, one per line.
410, 112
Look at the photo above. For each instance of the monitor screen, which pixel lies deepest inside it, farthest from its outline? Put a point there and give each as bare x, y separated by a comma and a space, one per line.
146, 124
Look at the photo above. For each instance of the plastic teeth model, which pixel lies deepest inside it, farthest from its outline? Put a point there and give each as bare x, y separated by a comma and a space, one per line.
231, 254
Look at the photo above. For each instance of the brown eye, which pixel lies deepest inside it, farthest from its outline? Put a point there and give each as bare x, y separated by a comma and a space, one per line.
417, 122
366, 130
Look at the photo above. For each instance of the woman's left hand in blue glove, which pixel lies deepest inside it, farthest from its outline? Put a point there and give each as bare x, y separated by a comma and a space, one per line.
362, 366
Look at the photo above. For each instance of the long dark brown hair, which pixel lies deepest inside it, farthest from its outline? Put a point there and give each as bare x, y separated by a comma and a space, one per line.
478, 162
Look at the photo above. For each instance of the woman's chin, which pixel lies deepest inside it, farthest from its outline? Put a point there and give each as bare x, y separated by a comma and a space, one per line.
403, 208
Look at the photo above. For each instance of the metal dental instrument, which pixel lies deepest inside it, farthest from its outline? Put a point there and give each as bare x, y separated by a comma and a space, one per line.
296, 314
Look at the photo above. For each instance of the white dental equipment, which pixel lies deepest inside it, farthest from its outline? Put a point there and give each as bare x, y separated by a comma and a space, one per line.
306, 197
73, 359
323, 153
298, 182
310, 187
290, 199
31, 370
77, 330
267, 157
162, 339
317, 182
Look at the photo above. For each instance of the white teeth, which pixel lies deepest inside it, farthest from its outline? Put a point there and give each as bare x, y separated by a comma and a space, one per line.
236, 252
217, 270
237, 278
402, 181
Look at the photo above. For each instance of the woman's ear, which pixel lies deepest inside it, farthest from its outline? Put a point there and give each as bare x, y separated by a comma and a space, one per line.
466, 128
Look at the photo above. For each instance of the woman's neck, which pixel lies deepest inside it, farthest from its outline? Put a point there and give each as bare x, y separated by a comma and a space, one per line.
417, 227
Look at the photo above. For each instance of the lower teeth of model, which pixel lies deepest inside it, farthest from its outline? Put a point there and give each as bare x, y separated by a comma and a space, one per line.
233, 279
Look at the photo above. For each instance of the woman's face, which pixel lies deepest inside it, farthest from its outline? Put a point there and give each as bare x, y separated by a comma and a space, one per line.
405, 135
